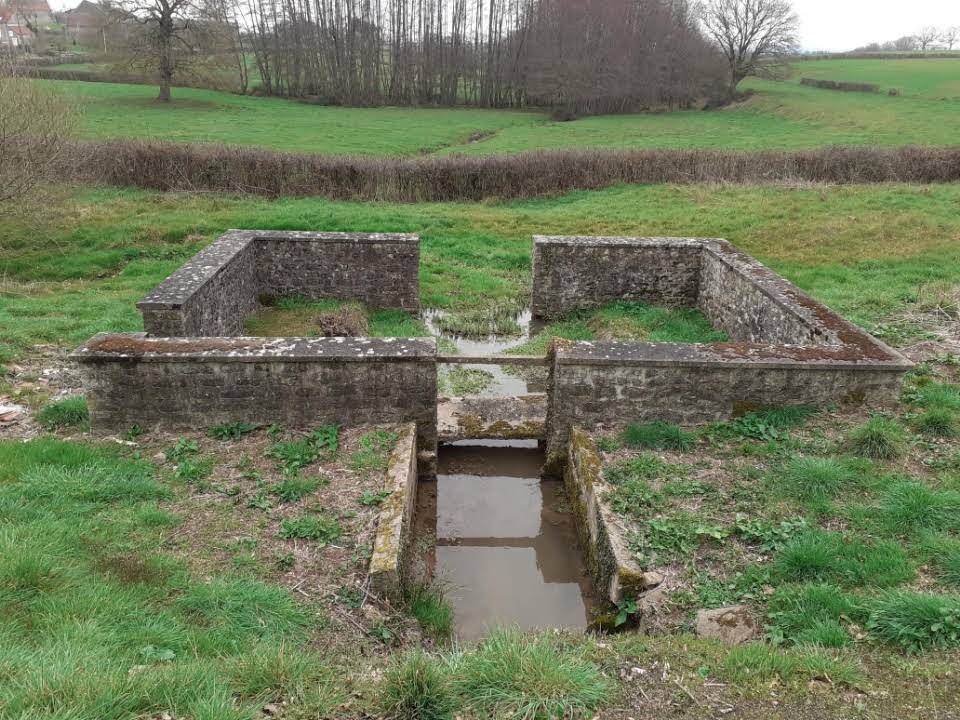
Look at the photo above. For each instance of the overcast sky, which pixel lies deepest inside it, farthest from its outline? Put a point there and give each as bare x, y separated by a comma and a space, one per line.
846, 24
839, 24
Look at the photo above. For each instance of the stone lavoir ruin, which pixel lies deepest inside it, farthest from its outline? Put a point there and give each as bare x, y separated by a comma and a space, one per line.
192, 368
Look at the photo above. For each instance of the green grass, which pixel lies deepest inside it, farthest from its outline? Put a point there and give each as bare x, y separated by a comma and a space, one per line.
818, 555
815, 480
83, 584
914, 621
70, 412
929, 78
656, 434
879, 438
810, 613
782, 115
116, 110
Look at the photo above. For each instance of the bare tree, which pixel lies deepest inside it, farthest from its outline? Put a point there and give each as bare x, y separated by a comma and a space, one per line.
35, 129
950, 36
905, 43
927, 36
750, 33
174, 37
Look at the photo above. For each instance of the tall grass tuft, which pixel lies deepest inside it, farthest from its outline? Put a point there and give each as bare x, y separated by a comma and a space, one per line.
431, 609
940, 395
914, 621
815, 479
939, 421
817, 555
763, 662
417, 687
70, 412
512, 675
810, 613
657, 434
879, 438
910, 507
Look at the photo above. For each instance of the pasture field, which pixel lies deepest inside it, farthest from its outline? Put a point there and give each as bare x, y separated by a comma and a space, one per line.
781, 115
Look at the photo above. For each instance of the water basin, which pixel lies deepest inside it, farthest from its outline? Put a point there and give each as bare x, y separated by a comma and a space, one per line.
506, 552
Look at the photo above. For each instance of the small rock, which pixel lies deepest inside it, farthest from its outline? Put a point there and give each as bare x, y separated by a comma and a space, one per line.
270, 709
651, 579
159, 458
730, 625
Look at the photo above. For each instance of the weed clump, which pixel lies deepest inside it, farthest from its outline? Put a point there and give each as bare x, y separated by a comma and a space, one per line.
322, 529
70, 412
879, 439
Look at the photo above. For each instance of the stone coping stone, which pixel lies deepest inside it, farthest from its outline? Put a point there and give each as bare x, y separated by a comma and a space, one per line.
138, 346
396, 516
197, 271
611, 241
727, 355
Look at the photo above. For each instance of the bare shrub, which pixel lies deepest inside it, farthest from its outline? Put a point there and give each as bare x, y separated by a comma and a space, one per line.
347, 321
217, 168
35, 127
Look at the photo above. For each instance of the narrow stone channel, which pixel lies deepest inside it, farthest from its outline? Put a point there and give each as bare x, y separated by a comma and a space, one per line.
506, 550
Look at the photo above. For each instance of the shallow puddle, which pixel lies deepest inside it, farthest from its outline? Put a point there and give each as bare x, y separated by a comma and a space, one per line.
506, 553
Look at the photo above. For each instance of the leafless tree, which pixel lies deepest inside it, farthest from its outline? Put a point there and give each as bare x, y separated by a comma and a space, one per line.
950, 36
35, 129
170, 38
905, 43
927, 36
749, 33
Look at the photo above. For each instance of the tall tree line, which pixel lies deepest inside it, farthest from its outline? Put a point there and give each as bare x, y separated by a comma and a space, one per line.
576, 56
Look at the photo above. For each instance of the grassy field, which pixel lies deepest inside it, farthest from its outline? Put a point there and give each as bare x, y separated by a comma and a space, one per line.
782, 115
928, 78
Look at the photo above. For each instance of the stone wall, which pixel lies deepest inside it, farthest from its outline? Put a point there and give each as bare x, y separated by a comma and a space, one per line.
614, 382
379, 270
210, 295
197, 382
750, 303
213, 293
571, 273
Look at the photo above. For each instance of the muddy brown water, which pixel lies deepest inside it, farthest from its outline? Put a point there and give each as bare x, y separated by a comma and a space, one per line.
506, 549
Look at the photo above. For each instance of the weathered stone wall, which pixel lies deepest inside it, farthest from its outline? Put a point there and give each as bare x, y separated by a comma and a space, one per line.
210, 295
196, 382
213, 293
570, 273
615, 574
611, 382
392, 542
379, 270
750, 303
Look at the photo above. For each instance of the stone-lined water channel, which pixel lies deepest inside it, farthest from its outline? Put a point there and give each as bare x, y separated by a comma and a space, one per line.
506, 550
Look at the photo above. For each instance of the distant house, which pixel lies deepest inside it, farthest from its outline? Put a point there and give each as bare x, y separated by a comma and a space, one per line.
88, 25
21, 22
